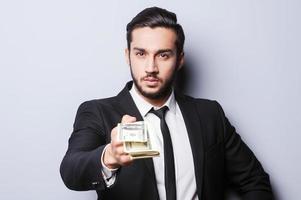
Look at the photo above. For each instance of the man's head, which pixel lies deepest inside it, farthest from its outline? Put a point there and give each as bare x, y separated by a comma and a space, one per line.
155, 51
156, 17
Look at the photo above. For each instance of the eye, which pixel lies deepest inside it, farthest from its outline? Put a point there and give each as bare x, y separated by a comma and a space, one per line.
164, 55
140, 54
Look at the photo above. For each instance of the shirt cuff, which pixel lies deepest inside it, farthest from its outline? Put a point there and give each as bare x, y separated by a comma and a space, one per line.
108, 174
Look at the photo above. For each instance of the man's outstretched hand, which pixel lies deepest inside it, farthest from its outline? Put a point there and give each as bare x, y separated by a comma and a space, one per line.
114, 156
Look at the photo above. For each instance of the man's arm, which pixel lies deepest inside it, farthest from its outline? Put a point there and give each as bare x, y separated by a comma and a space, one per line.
82, 167
242, 168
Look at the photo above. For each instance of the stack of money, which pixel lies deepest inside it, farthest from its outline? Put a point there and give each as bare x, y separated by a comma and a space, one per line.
136, 140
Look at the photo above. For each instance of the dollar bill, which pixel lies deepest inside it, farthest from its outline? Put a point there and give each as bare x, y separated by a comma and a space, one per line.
133, 132
136, 140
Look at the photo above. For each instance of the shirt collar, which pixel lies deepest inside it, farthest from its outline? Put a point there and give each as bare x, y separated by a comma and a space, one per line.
144, 107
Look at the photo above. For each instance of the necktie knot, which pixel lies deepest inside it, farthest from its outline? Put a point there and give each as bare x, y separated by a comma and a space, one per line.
160, 112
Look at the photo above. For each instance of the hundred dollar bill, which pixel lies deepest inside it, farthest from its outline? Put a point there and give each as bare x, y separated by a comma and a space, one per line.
136, 140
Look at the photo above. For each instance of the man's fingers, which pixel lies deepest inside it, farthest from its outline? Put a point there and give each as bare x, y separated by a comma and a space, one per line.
126, 160
117, 144
128, 119
114, 137
119, 150
114, 132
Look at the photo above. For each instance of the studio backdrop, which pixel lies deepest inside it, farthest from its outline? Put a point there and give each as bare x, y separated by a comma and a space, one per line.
56, 54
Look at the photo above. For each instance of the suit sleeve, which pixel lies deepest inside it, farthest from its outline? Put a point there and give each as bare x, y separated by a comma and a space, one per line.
244, 172
81, 166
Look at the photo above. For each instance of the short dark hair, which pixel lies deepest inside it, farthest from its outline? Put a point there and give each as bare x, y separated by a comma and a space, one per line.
156, 17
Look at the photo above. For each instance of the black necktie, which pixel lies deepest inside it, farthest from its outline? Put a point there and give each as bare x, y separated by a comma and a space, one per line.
170, 177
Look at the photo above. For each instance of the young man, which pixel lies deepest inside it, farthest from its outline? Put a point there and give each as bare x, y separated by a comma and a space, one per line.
200, 152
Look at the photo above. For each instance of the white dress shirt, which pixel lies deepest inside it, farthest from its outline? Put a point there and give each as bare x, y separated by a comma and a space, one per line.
184, 167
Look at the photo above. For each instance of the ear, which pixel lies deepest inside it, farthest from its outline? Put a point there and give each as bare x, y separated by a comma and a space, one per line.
127, 55
181, 60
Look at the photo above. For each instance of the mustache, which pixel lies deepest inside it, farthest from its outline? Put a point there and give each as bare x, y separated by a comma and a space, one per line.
151, 75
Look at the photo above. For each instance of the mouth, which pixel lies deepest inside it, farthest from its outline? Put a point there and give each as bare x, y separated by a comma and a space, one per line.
151, 81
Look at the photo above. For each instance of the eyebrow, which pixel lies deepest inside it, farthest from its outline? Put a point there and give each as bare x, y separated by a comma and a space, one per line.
157, 52
138, 49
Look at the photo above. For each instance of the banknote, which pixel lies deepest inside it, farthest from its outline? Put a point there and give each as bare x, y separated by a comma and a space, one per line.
136, 140
133, 132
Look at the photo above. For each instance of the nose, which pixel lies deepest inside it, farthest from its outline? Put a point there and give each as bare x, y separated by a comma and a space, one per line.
151, 65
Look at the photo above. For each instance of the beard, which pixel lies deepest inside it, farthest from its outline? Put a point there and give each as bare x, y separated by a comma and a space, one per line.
163, 91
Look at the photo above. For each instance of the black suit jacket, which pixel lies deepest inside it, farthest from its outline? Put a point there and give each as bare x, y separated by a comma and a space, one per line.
220, 157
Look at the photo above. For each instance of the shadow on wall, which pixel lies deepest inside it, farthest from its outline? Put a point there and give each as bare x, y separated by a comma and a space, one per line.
190, 78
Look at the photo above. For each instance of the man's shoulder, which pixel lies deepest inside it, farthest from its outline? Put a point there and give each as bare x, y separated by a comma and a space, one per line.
198, 101
204, 106
108, 102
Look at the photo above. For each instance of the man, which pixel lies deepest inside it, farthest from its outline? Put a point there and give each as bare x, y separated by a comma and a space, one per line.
200, 152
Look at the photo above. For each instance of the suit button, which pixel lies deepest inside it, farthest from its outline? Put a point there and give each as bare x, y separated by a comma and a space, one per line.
95, 183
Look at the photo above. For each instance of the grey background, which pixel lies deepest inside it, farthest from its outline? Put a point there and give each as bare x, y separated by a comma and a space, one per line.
56, 54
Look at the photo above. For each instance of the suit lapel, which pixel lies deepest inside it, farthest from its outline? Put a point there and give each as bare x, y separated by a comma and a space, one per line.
126, 105
193, 125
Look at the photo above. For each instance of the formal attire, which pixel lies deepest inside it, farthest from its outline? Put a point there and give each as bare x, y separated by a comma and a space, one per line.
215, 154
